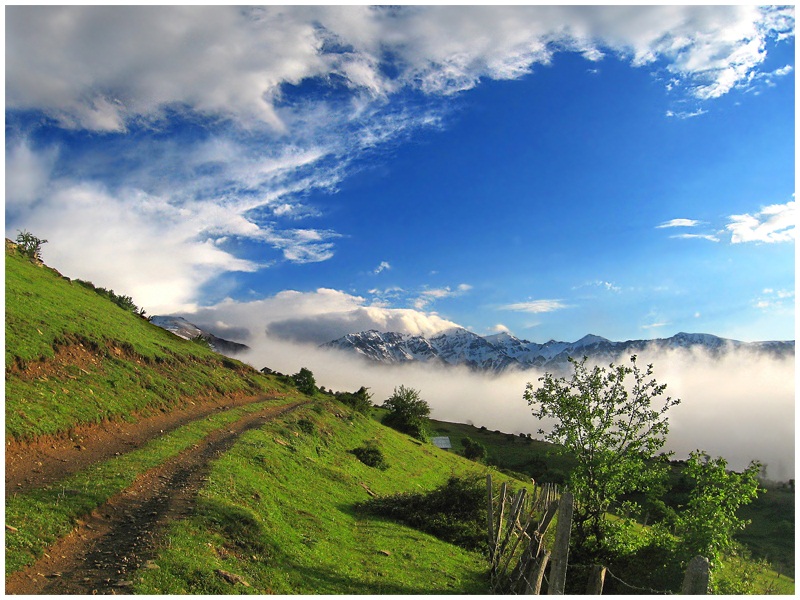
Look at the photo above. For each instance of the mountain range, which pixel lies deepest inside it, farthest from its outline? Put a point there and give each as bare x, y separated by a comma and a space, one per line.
504, 351
188, 331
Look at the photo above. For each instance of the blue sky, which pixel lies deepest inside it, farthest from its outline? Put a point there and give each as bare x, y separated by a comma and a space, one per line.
551, 171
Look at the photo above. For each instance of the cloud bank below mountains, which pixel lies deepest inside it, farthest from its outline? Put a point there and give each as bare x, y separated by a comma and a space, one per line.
739, 406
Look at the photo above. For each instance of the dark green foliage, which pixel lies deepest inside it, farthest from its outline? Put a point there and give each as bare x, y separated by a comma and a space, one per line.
359, 401
29, 245
304, 381
306, 426
408, 412
474, 450
371, 455
125, 302
454, 512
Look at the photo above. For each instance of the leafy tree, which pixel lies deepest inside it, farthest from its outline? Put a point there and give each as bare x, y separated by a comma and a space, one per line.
360, 400
612, 430
304, 381
408, 412
709, 521
30, 245
473, 450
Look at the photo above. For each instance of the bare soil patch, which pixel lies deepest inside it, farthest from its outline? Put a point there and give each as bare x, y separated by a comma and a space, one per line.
99, 556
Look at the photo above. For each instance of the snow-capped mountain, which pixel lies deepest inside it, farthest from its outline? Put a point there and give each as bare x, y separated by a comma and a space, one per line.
188, 331
504, 351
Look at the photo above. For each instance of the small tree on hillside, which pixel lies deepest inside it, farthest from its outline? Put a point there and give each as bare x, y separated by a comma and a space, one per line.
408, 412
709, 521
612, 429
30, 245
304, 381
360, 400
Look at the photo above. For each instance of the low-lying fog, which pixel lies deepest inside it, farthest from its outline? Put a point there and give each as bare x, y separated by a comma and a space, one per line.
740, 407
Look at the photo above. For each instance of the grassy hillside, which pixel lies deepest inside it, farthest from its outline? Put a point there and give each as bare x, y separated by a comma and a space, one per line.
279, 511
73, 357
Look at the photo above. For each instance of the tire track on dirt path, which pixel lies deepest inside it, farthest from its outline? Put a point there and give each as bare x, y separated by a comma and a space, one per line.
120, 536
31, 465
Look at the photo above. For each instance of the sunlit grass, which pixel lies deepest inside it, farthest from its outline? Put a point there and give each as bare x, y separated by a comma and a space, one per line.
282, 517
44, 515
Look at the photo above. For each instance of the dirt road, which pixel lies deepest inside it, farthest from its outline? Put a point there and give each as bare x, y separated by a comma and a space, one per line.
120, 536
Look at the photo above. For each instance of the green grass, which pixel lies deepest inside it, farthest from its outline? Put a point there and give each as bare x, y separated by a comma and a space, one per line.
529, 457
283, 517
44, 515
119, 364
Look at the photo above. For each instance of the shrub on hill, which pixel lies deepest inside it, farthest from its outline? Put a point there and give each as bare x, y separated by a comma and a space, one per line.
124, 302
454, 512
474, 450
370, 455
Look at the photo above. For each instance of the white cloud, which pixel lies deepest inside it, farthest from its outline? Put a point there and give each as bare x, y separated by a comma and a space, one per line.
682, 114
314, 317
230, 72
772, 224
655, 325
678, 223
428, 296
157, 257
500, 328
695, 236
606, 285
384, 266
776, 301
233, 61
535, 306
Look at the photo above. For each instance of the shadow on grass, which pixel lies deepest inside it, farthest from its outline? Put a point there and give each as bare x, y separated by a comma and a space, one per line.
247, 538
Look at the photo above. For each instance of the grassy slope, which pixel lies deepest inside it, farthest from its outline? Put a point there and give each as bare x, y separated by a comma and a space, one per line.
93, 360
283, 517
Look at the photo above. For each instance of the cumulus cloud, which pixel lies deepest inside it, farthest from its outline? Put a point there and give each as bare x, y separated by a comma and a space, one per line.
535, 306
772, 224
312, 317
236, 61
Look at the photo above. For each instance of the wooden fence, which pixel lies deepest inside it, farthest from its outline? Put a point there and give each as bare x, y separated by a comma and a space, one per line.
517, 525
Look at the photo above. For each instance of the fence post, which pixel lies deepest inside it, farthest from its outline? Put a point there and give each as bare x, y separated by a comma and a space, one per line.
596, 580
533, 581
696, 580
490, 513
558, 568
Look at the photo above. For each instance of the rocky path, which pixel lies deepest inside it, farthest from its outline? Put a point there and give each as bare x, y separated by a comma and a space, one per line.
99, 556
